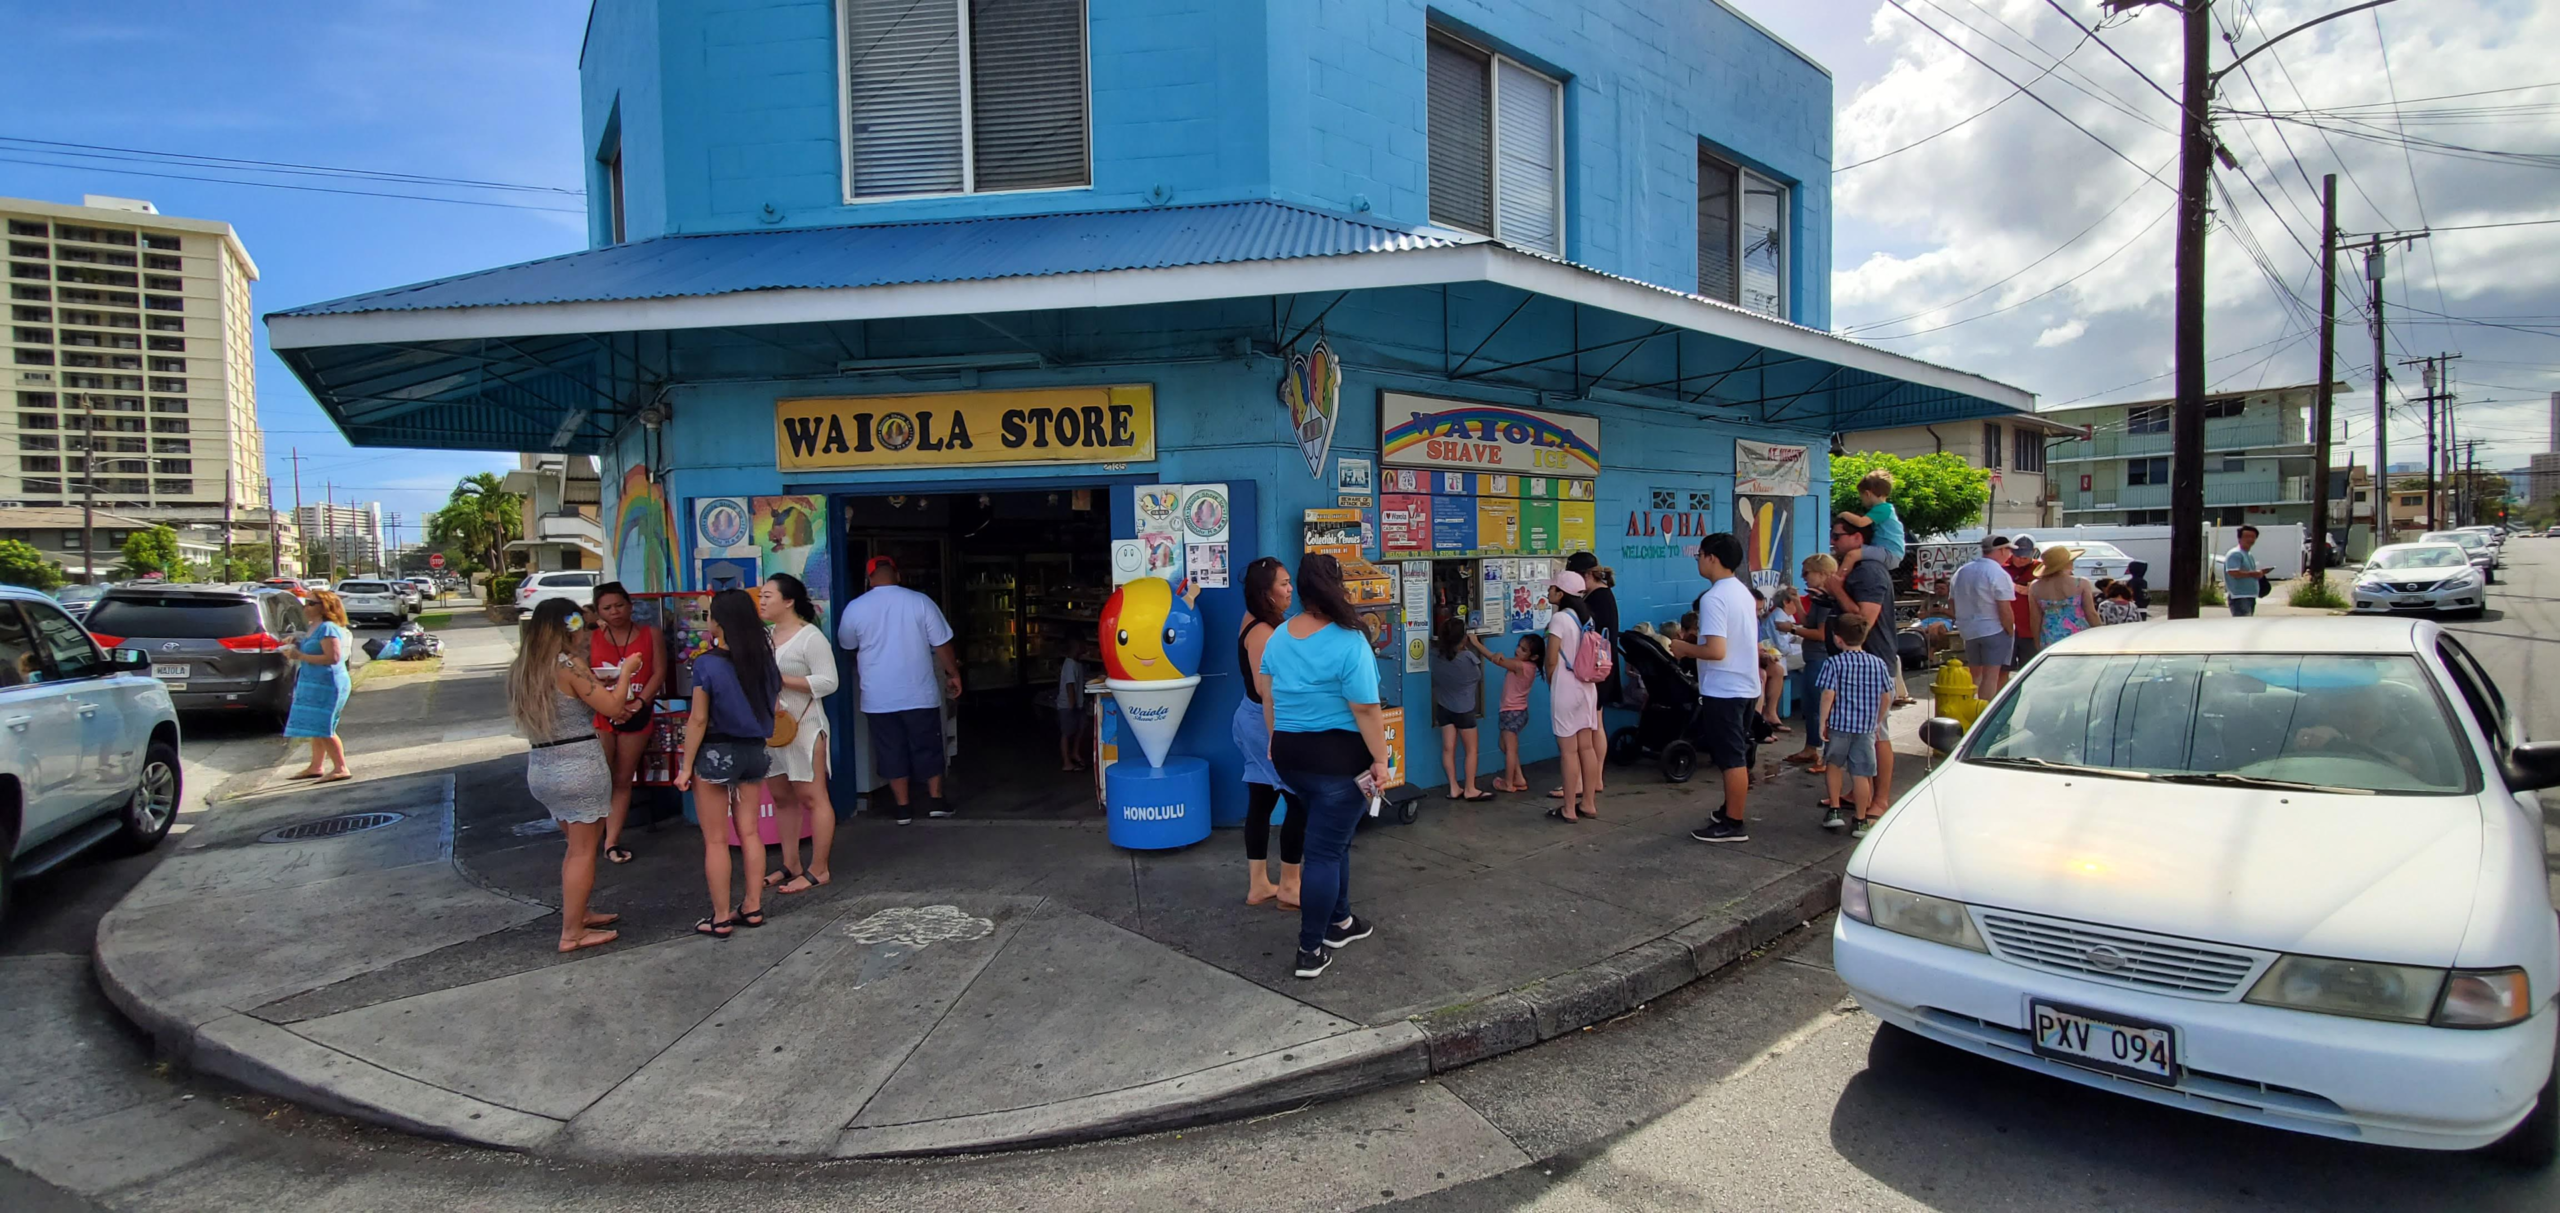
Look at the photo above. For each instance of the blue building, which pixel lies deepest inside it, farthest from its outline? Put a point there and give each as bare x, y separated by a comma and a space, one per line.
961, 280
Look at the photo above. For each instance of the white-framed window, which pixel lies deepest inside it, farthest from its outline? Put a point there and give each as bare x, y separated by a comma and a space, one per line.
2149, 419
1497, 146
963, 97
1742, 236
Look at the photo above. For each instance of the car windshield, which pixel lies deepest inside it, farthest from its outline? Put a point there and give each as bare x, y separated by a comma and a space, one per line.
2468, 540
79, 593
363, 587
2332, 722
2091, 550
173, 618
2430, 556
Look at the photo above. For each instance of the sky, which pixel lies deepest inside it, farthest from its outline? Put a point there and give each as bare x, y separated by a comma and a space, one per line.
2013, 244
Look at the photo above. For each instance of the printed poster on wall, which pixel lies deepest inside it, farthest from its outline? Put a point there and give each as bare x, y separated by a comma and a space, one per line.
791, 537
720, 527
1351, 475
1768, 543
1205, 516
1493, 599
1207, 564
1417, 650
1128, 560
715, 573
1768, 469
1159, 509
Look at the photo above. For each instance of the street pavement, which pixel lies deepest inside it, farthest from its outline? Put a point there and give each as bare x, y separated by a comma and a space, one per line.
1760, 1088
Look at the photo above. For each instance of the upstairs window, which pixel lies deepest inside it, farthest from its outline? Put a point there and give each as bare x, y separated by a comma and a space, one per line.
1742, 237
1497, 147
2030, 451
964, 96
2149, 419
1990, 444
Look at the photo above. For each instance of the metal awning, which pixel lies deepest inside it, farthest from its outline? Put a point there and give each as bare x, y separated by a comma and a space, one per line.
556, 354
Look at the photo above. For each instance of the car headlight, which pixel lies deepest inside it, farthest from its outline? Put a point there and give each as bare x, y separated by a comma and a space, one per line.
2399, 993
1904, 912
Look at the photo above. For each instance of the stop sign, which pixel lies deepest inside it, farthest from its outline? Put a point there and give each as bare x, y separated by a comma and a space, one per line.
435, 560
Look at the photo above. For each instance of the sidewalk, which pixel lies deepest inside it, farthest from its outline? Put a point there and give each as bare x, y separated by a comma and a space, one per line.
961, 986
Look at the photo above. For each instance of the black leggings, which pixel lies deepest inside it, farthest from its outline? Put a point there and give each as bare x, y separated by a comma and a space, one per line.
1261, 798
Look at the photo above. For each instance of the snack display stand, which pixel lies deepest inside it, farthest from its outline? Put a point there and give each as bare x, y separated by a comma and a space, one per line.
682, 618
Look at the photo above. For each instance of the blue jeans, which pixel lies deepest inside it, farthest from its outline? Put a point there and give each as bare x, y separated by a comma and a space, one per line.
1334, 805
2244, 606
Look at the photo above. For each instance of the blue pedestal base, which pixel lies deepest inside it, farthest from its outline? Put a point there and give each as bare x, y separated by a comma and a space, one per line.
1157, 808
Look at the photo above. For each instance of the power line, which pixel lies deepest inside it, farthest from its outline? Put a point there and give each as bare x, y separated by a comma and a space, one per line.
193, 160
2109, 99
279, 185
2012, 95
2076, 238
2093, 268
1961, 49
2128, 63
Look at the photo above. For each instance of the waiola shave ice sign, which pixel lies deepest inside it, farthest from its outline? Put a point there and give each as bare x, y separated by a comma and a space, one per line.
1434, 432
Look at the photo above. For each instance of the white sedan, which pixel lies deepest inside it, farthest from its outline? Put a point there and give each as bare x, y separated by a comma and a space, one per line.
2420, 577
2099, 559
2275, 870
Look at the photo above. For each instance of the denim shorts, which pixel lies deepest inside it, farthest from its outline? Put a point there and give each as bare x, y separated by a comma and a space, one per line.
731, 761
1853, 753
1514, 719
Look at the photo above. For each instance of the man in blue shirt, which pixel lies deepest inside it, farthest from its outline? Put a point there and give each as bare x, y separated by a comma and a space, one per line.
2242, 580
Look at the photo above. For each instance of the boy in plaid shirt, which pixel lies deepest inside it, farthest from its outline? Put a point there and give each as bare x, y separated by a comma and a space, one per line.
1856, 687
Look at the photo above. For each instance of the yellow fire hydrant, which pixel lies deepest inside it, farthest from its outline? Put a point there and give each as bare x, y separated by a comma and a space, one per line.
1953, 691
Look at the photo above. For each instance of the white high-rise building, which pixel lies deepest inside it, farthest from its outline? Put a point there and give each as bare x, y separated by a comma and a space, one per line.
350, 532
131, 345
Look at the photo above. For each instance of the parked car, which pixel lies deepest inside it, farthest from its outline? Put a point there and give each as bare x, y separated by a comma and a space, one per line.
411, 598
75, 600
2296, 886
538, 588
2484, 554
88, 743
372, 600
215, 648
2426, 577
2099, 558
288, 585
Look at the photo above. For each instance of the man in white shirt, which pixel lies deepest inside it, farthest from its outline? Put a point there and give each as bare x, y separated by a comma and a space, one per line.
1981, 593
898, 637
1728, 656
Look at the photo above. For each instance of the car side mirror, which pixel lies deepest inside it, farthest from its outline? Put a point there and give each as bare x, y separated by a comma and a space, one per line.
129, 659
2533, 765
1942, 734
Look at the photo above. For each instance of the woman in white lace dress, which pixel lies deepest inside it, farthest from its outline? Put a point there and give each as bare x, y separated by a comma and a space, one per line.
799, 782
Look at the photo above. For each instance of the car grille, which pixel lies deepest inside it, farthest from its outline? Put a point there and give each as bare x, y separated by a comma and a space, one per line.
2147, 961
2413, 587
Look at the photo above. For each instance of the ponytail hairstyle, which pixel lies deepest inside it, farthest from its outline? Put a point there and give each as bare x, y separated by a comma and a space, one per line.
796, 592
1449, 637
1320, 590
1259, 577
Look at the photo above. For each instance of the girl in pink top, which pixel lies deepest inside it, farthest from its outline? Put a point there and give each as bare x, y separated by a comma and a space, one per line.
1519, 670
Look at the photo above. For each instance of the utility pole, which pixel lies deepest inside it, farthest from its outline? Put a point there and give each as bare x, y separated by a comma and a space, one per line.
301, 533
2328, 364
2436, 373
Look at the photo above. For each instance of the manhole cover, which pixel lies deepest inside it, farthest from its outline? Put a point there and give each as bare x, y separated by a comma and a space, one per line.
331, 827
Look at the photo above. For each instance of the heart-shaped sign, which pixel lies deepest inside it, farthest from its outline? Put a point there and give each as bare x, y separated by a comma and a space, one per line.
1312, 389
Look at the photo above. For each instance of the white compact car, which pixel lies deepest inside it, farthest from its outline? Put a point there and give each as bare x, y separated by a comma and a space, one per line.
2276, 870
2430, 577
2099, 559
372, 600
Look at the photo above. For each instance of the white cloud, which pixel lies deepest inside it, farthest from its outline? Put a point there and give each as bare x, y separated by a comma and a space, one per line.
2061, 334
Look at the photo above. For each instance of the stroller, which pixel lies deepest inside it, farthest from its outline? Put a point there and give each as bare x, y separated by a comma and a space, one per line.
1669, 718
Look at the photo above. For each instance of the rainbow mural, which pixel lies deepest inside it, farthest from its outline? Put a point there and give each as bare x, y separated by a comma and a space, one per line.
1486, 437
644, 535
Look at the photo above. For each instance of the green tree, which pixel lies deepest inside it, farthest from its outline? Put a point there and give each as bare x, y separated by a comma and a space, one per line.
22, 564
480, 518
249, 562
1934, 494
154, 553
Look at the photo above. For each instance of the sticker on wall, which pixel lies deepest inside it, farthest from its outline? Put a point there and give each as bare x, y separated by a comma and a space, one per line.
1493, 599
1207, 563
720, 527
715, 573
1204, 513
1767, 469
1159, 507
1351, 475
1312, 390
1163, 555
791, 537
1128, 560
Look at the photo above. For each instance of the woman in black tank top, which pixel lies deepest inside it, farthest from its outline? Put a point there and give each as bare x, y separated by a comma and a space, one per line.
1266, 603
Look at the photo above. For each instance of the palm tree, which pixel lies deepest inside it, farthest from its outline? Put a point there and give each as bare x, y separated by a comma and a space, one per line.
481, 517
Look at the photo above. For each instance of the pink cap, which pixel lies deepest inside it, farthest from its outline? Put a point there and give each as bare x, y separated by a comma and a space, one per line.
1568, 581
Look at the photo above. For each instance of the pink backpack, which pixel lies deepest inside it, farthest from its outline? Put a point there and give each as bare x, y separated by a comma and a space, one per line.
1592, 660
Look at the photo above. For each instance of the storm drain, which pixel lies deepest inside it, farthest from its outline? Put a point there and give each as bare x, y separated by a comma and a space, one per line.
331, 827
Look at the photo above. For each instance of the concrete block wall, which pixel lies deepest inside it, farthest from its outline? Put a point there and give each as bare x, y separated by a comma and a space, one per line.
729, 107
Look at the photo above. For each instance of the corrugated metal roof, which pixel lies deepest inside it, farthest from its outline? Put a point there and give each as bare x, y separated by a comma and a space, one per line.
904, 253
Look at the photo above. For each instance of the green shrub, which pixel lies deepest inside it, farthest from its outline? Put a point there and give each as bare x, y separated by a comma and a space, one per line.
2320, 594
2210, 593
502, 588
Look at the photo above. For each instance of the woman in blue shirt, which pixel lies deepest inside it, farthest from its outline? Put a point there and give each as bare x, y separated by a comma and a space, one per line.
1319, 684
725, 759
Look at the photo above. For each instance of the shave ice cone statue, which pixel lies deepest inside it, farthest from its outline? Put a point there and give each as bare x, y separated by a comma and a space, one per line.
1151, 658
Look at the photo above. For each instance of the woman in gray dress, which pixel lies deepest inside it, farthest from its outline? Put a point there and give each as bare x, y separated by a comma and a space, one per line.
554, 698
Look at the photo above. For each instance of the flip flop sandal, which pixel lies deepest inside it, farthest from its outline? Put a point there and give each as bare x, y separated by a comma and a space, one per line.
1558, 814
786, 890
720, 928
617, 855
1478, 798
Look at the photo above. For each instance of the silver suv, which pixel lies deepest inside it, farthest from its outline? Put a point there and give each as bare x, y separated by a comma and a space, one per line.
373, 599
88, 743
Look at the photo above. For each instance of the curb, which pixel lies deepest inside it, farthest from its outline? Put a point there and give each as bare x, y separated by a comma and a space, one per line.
1568, 1002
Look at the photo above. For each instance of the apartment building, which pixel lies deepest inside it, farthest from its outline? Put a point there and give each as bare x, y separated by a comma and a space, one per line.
562, 497
130, 344
2257, 460
349, 533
